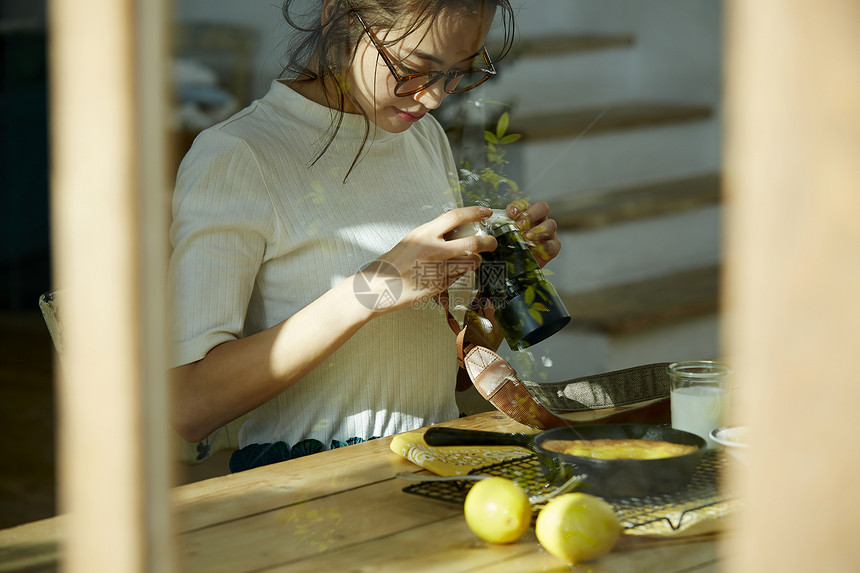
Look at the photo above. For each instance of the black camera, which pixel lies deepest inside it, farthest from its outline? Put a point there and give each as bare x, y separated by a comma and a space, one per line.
527, 306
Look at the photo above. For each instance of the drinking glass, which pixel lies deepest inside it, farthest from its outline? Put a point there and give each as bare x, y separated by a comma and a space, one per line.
698, 395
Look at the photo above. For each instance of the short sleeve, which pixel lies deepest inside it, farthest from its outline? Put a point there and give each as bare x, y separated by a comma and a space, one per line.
222, 224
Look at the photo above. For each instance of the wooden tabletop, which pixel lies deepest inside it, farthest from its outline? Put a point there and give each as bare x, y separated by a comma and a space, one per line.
344, 510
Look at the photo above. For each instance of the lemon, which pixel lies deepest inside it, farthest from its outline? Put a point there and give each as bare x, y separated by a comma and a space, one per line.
497, 510
577, 527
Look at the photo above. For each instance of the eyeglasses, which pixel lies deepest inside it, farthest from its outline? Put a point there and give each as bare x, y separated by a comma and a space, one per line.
456, 81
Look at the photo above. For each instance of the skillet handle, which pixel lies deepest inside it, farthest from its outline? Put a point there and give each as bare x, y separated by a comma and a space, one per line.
437, 436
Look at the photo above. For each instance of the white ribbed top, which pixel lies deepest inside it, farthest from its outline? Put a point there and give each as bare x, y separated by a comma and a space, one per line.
258, 234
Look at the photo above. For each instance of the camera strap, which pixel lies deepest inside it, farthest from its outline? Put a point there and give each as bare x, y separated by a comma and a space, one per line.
639, 394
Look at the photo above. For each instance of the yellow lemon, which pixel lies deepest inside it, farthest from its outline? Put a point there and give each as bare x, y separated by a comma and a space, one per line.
577, 527
497, 510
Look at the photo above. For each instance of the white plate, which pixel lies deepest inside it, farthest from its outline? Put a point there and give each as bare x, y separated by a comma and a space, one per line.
733, 440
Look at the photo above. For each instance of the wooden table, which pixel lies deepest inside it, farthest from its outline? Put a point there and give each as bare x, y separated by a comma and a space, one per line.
343, 510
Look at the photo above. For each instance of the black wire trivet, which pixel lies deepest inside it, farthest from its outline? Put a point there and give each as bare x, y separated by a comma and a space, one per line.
703, 490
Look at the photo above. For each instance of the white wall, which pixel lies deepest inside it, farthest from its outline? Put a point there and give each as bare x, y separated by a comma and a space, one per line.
263, 16
678, 41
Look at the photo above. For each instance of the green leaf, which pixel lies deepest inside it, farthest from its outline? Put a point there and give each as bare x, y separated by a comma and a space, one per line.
502, 125
491, 177
511, 137
536, 315
529, 296
490, 136
540, 307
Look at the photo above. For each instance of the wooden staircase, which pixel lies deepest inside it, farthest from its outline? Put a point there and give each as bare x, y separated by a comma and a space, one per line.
651, 303
559, 44
584, 211
593, 121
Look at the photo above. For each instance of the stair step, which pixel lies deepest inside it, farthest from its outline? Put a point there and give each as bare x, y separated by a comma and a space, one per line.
588, 210
646, 304
562, 44
579, 122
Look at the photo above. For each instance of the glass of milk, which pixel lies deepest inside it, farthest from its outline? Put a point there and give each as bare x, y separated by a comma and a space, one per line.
698, 396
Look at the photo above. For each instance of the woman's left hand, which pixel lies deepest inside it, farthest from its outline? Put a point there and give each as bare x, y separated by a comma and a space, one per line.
537, 228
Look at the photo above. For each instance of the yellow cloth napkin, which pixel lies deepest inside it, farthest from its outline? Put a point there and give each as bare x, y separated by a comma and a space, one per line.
451, 460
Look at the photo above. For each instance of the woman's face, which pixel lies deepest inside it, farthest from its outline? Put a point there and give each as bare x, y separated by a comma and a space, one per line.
451, 41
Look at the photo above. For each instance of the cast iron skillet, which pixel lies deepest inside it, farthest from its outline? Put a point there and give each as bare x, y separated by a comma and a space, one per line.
608, 478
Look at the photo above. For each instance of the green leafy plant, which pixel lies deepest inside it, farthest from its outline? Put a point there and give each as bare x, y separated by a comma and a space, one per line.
488, 183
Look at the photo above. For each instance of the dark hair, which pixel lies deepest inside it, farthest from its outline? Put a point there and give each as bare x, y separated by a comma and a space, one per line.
324, 45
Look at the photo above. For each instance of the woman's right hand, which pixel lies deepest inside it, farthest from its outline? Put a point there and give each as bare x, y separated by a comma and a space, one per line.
423, 263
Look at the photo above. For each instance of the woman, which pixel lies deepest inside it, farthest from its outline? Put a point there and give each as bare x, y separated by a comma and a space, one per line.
308, 235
